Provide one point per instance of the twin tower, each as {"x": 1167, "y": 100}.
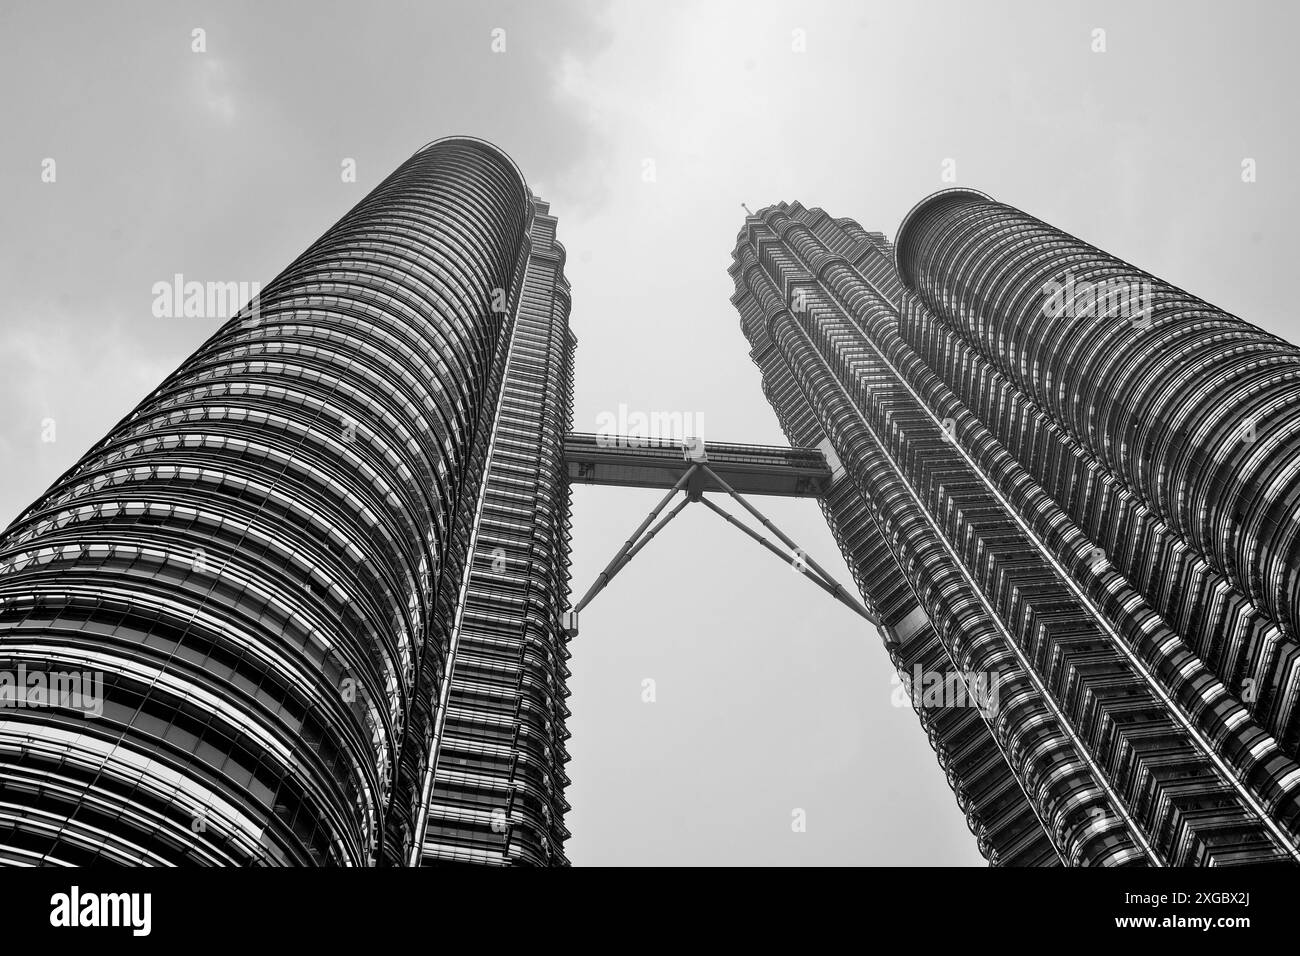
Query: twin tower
{"x": 308, "y": 603}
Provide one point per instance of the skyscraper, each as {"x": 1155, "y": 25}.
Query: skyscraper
{"x": 308, "y": 602}
{"x": 320, "y": 569}
{"x": 1070, "y": 492}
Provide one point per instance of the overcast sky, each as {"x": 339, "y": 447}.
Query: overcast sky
{"x": 224, "y": 165}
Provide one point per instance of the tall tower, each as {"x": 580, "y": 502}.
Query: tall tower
{"x": 1077, "y": 523}
{"x": 324, "y": 634}
{"x": 495, "y": 794}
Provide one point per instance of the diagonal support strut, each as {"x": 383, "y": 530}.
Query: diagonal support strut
{"x": 641, "y": 537}
{"x": 836, "y": 589}
{"x": 827, "y": 585}
{"x": 633, "y": 544}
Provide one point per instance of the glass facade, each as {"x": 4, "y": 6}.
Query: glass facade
{"x": 497, "y": 791}
{"x": 1174, "y": 431}
{"x": 318, "y": 578}
{"x": 268, "y": 559}
{"x": 1112, "y": 739}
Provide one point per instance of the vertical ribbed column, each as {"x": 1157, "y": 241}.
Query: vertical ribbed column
{"x": 1004, "y": 823}
{"x": 1126, "y": 720}
{"x": 497, "y": 789}
{"x": 1080, "y": 816}
{"x": 252, "y": 557}
{"x": 1194, "y": 411}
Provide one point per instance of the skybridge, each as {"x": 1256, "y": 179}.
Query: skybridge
{"x": 630, "y": 461}
{"x": 697, "y": 468}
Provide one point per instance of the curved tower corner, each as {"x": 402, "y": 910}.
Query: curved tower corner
{"x": 1178, "y": 424}
{"x": 258, "y": 572}
{"x": 1022, "y": 505}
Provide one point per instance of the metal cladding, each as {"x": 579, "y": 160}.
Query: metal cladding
{"x": 1118, "y": 731}
{"x": 1189, "y": 409}
{"x": 263, "y": 560}
{"x": 638, "y": 462}
{"x": 306, "y": 604}
{"x": 496, "y": 795}
{"x": 1170, "y": 428}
